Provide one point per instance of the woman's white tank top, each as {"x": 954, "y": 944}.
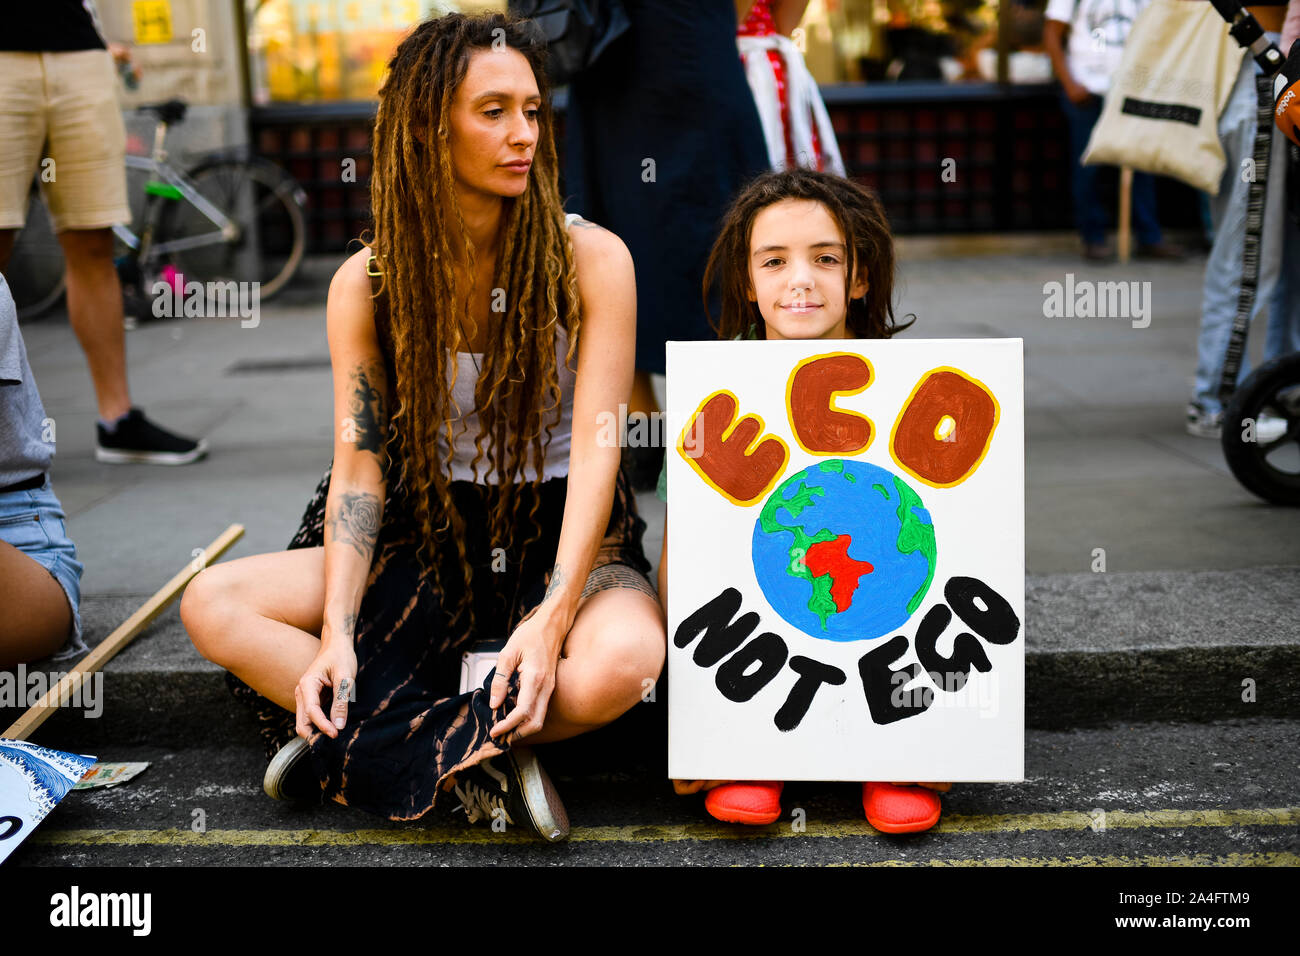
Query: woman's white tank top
{"x": 465, "y": 427}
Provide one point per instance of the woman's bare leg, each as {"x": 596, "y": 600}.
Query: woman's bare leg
{"x": 260, "y": 617}
{"x": 37, "y": 614}
{"x": 613, "y": 654}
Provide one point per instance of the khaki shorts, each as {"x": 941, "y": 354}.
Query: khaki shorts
{"x": 62, "y": 107}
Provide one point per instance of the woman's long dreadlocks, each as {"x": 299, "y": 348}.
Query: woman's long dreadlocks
{"x": 428, "y": 261}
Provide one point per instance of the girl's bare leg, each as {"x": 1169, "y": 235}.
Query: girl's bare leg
{"x": 260, "y": 617}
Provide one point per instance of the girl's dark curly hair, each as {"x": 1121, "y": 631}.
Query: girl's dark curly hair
{"x": 862, "y": 222}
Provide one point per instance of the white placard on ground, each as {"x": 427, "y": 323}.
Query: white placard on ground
{"x": 32, "y": 781}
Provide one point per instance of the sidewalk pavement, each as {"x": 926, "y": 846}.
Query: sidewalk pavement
{"x": 1201, "y": 578}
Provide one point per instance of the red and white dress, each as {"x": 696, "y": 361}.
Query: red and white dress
{"x": 795, "y": 122}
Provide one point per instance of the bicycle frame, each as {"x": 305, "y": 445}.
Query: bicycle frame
{"x": 169, "y": 183}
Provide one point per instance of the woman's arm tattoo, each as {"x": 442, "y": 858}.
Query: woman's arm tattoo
{"x": 354, "y": 520}
{"x": 557, "y": 578}
{"x": 349, "y": 625}
{"x": 367, "y": 407}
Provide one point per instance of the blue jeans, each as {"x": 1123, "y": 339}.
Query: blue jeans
{"x": 1279, "y": 251}
{"x": 32, "y": 521}
{"x": 1089, "y": 214}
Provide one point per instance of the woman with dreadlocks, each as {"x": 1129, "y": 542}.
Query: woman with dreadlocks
{"x": 470, "y": 494}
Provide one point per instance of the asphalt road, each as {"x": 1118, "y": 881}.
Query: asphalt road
{"x": 1148, "y": 794}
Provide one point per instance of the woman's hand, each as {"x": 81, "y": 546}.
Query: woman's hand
{"x": 334, "y": 667}
{"x": 941, "y": 787}
{"x": 533, "y": 651}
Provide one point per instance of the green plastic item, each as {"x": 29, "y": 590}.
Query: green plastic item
{"x": 166, "y": 190}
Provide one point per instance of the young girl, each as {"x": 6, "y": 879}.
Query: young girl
{"x": 805, "y": 255}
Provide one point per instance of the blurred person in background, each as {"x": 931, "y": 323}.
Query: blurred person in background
{"x": 61, "y": 118}
{"x": 1279, "y": 246}
{"x": 1095, "y": 31}
{"x": 795, "y": 122}
{"x": 662, "y": 131}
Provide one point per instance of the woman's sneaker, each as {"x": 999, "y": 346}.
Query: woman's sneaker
{"x": 138, "y": 440}
{"x": 290, "y": 775}
{"x": 515, "y": 790}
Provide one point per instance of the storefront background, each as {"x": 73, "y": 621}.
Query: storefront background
{"x": 912, "y": 86}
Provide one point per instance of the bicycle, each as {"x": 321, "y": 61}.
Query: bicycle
{"x": 232, "y": 217}
{"x": 229, "y": 217}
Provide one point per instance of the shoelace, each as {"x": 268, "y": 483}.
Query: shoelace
{"x": 480, "y": 804}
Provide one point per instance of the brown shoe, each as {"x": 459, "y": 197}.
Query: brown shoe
{"x": 1098, "y": 252}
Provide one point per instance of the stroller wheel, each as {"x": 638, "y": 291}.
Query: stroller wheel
{"x": 1268, "y": 466}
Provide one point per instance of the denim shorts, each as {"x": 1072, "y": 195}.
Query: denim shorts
{"x": 32, "y": 521}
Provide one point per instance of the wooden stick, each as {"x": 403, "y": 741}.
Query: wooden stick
{"x": 126, "y": 632}
{"x": 1125, "y": 211}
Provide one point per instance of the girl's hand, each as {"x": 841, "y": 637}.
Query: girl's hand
{"x": 683, "y": 787}
{"x": 532, "y": 651}
{"x": 941, "y": 787}
{"x": 334, "y": 667}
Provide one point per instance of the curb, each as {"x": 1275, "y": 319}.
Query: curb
{"x": 1103, "y": 648}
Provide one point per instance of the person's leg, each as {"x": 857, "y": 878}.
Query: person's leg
{"x": 87, "y": 194}
{"x": 1145, "y": 220}
{"x": 22, "y": 130}
{"x": 260, "y": 618}
{"x": 95, "y": 310}
{"x": 37, "y": 616}
{"x": 613, "y": 653}
{"x": 1090, "y": 218}
{"x": 1224, "y": 266}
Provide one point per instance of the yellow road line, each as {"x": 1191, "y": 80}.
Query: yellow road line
{"x": 1197, "y": 859}
{"x": 1002, "y": 823}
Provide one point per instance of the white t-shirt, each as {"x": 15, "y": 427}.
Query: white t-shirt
{"x": 1098, "y": 31}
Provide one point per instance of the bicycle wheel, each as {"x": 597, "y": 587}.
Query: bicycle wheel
{"x": 1268, "y": 469}
{"x": 264, "y": 203}
{"x": 36, "y": 269}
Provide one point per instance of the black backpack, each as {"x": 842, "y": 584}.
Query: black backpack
{"x": 576, "y": 31}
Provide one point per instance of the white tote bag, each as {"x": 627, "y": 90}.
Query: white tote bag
{"x": 1161, "y": 114}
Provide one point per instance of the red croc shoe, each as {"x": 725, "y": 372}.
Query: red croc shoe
{"x": 756, "y": 802}
{"x": 892, "y": 809}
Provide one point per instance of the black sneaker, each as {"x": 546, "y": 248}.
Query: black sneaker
{"x": 290, "y": 775}
{"x": 138, "y": 440}
{"x": 517, "y": 792}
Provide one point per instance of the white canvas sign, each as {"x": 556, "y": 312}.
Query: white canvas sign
{"x": 846, "y": 560}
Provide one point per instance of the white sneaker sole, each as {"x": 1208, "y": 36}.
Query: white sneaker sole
{"x": 114, "y": 456}
{"x": 279, "y": 767}
{"x": 540, "y": 797}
